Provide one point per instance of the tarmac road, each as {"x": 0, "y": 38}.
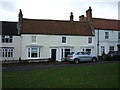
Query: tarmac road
{"x": 38, "y": 66}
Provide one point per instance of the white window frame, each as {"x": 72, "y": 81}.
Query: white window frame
{"x": 64, "y": 37}
{"x": 85, "y": 50}
{"x": 29, "y": 52}
{"x": 111, "y": 48}
{"x": 106, "y": 35}
{"x": 56, "y": 52}
{"x": 102, "y": 50}
{"x": 90, "y": 40}
{"x": 7, "y": 52}
{"x": 63, "y": 52}
{"x": 33, "y": 39}
{"x": 5, "y": 38}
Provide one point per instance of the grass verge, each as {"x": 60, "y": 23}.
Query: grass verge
{"x": 93, "y": 76}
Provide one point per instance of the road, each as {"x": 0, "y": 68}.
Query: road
{"x": 39, "y": 66}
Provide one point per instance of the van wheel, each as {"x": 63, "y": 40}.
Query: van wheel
{"x": 94, "y": 60}
{"x": 76, "y": 61}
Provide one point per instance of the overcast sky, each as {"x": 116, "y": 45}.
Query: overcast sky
{"x": 57, "y": 9}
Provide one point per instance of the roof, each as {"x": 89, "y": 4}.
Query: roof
{"x": 55, "y": 27}
{"x": 9, "y": 28}
{"x": 106, "y": 24}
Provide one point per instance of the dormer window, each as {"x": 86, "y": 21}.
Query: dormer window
{"x": 7, "y": 39}
{"x": 63, "y": 39}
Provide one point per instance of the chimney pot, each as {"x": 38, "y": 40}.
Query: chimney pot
{"x": 20, "y": 15}
{"x": 71, "y": 17}
{"x": 81, "y": 18}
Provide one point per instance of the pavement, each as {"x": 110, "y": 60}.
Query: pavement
{"x": 40, "y": 66}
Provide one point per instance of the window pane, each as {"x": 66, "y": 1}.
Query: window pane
{"x": 9, "y": 52}
{"x": 89, "y": 40}
{"x": 33, "y": 52}
{"x": 102, "y": 50}
{"x": 6, "y": 53}
{"x": 12, "y": 54}
{"x": 11, "y": 37}
{"x": 7, "y": 39}
{"x": 63, "y": 39}
{"x": 33, "y": 39}
{"x": 106, "y": 35}
{"x": 28, "y": 52}
{"x": 2, "y": 39}
{"x": 39, "y": 52}
{"x": 118, "y": 35}
{"x": 3, "y": 53}
{"x": 111, "y": 48}
{"x": 67, "y": 51}
{"x": 62, "y": 53}
{"x": 88, "y": 50}
{"x": 10, "y": 40}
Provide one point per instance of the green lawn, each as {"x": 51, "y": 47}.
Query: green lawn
{"x": 92, "y": 76}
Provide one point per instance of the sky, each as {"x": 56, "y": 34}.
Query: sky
{"x": 57, "y": 9}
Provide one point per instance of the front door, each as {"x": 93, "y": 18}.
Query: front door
{"x": 53, "y": 54}
{"x": 118, "y": 47}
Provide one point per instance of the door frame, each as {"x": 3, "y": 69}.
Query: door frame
{"x": 56, "y": 53}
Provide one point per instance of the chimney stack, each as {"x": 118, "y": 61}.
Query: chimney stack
{"x": 20, "y": 16}
{"x": 19, "y": 25}
{"x": 89, "y": 14}
{"x": 82, "y": 18}
{"x": 71, "y": 17}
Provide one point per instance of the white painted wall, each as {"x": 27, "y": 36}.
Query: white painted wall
{"x": 52, "y": 41}
{"x": 15, "y": 44}
{"x": 112, "y": 41}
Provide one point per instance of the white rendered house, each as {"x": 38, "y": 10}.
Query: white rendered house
{"x": 9, "y": 41}
{"x": 107, "y": 33}
{"x": 54, "y": 39}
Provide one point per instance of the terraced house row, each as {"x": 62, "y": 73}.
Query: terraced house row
{"x": 41, "y": 38}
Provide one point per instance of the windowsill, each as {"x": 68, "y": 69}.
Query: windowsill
{"x": 64, "y": 43}
{"x": 34, "y": 58}
{"x": 90, "y": 43}
{"x": 7, "y": 42}
{"x": 34, "y": 43}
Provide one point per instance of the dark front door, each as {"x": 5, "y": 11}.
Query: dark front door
{"x": 53, "y": 54}
{"x": 118, "y": 47}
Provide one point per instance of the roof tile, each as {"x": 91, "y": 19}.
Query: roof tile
{"x": 55, "y": 27}
{"x": 106, "y": 24}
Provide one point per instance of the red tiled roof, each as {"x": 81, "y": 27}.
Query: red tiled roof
{"x": 55, "y": 27}
{"x": 106, "y": 24}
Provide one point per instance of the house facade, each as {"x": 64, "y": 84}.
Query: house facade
{"x": 9, "y": 41}
{"x": 57, "y": 38}
{"x": 107, "y": 33}
{"x": 54, "y": 39}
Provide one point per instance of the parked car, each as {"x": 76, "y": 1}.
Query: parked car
{"x": 80, "y": 56}
{"x": 113, "y": 55}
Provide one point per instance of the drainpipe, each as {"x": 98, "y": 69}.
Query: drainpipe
{"x": 98, "y": 43}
